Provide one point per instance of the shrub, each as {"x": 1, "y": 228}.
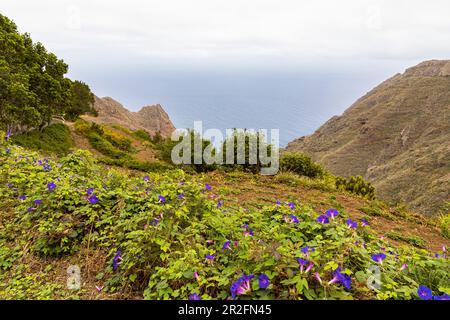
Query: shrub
{"x": 444, "y": 223}
{"x": 300, "y": 164}
{"x": 356, "y": 185}
{"x": 170, "y": 227}
{"x": 54, "y": 139}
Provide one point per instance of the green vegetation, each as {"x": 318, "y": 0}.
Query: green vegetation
{"x": 168, "y": 236}
{"x": 54, "y": 139}
{"x": 413, "y": 240}
{"x": 444, "y": 223}
{"x": 32, "y": 83}
{"x": 301, "y": 164}
{"x": 356, "y": 185}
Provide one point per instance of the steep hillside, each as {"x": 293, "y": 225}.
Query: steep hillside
{"x": 175, "y": 235}
{"x": 150, "y": 118}
{"x": 397, "y": 136}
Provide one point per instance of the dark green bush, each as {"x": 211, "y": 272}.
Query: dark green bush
{"x": 301, "y": 164}
{"x": 356, "y": 185}
{"x": 54, "y": 139}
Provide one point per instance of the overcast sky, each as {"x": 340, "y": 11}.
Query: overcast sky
{"x": 234, "y": 32}
{"x": 103, "y": 39}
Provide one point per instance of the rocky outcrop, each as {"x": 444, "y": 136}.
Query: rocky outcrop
{"x": 397, "y": 136}
{"x": 150, "y": 118}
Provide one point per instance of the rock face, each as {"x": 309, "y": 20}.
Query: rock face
{"x": 150, "y": 118}
{"x": 396, "y": 136}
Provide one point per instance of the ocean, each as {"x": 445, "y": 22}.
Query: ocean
{"x": 296, "y": 103}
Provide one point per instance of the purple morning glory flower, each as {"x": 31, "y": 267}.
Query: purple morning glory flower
{"x": 93, "y": 199}
{"x": 226, "y": 245}
{"x": 302, "y": 262}
{"x": 181, "y": 196}
{"x": 22, "y": 198}
{"x": 194, "y": 296}
{"x": 210, "y": 257}
{"x": 323, "y": 219}
{"x": 263, "y": 281}
{"x": 424, "y": 293}
{"x": 351, "y": 224}
{"x": 208, "y": 187}
{"x": 403, "y": 267}
{"x": 379, "y": 257}
{"x": 310, "y": 266}
{"x": 89, "y": 191}
{"x": 117, "y": 260}
{"x": 341, "y": 278}
{"x": 37, "y": 202}
{"x": 30, "y": 209}
{"x": 146, "y": 178}
{"x": 161, "y": 199}
{"x": 51, "y": 186}
{"x": 442, "y": 297}
{"x": 364, "y": 223}
{"x": 291, "y": 205}
{"x": 248, "y": 232}
{"x": 317, "y": 276}
{"x": 8, "y": 150}
{"x": 220, "y": 203}
{"x": 293, "y": 219}
{"x": 241, "y": 286}
{"x": 307, "y": 249}
{"x": 332, "y": 213}
{"x": 278, "y": 202}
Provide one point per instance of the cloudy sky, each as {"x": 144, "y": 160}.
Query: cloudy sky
{"x": 117, "y": 45}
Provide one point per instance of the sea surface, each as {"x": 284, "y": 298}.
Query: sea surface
{"x": 296, "y": 103}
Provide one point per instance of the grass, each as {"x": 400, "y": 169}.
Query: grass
{"x": 412, "y": 240}
{"x": 54, "y": 139}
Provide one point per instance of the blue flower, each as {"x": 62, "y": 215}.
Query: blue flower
{"x": 117, "y": 260}
{"x": 210, "y": 257}
{"x": 263, "y": 281}
{"x": 194, "y": 296}
{"x": 351, "y": 224}
{"x": 93, "y": 199}
{"x": 424, "y": 293}
{"x": 89, "y": 191}
{"x": 241, "y": 286}
{"x": 332, "y": 213}
{"x": 226, "y": 245}
{"x": 364, "y": 223}
{"x": 8, "y": 150}
{"x": 22, "y": 198}
{"x": 302, "y": 262}
{"x": 307, "y": 249}
{"x": 341, "y": 278}
{"x": 51, "y": 186}
{"x": 291, "y": 205}
{"x": 146, "y": 178}
{"x": 293, "y": 219}
{"x": 442, "y": 297}
{"x": 379, "y": 257}
{"x": 323, "y": 219}
{"x": 181, "y": 196}
{"x": 161, "y": 199}
{"x": 30, "y": 209}
{"x": 208, "y": 187}
{"x": 37, "y": 202}
{"x": 220, "y": 203}
{"x": 278, "y": 203}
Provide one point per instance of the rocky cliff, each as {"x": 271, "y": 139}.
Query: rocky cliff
{"x": 397, "y": 136}
{"x": 150, "y": 118}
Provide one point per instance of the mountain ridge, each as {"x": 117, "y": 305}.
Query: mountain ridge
{"x": 397, "y": 136}
{"x": 152, "y": 118}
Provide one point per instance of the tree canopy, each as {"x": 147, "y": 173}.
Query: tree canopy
{"x": 33, "y": 86}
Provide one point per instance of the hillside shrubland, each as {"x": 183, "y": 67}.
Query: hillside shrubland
{"x": 173, "y": 235}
